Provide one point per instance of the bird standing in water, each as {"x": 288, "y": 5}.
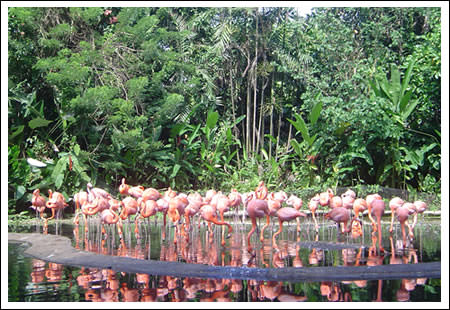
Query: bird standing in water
{"x": 285, "y": 214}
{"x": 340, "y": 215}
{"x": 375, "y": 207}
{"x": 38, "y": 203}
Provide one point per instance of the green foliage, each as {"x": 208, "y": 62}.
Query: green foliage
{"x": 401, "y": 160}
{"x": 307, "y": 149}
{"x": 18, "y": 219}
{"x": 159, "y": 97}
{"x": 395, "y": 91}
{"x": 18, "y": 172}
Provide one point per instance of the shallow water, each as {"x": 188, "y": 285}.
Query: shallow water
{"x": 35, "y": 280}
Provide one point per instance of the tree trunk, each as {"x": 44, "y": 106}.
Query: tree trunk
{"x": 271, "y": 125}
{"x": 289, "y": 137}
{"x": 255, "y": 84}
{"x": 261, "y": 118}
{"x": 279, "y": 133}
{"x": 234, "y": 115}
{"x": 249, "y": 95}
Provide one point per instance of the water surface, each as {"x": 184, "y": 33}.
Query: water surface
{"x": 36, "y": 280}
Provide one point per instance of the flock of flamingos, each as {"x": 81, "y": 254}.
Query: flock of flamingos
{"x": 143, "y": 203}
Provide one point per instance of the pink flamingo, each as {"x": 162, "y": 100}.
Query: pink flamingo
{"x": 110, "y": 217}
{"x": 80, "y": 199}
{"x": 325, "y": 197}
{"x": 335, "y": 202}
{"x": 359, "y": 206}
{"x": 402, "y": 210}
{"x": 297, "y": 203}
{"x": 38, "y": 203}
{"x": 56, "y": 202}
{"x": 176, "y": 211}
{"x": 420, "y": 209}
{"x": 135, "y": 191}
{"x": 348, "y": 198}
{"x": 208, "y": 213}
{"x": 285, "y": 214}
{"x": 235, "y": 201}
{"x": 97, "y": 192}
{"x": 147, "y": 208}
{"x": 375, "y": 206}
{"x": 129, "y": 207}
{"x": 195, "y": 203}
{"x": 313, "y": 205}
{"x": 151, "y": 194}
{"x": 340, "y": 215}
{"x": 90, "y": 208}
{"x": 223, "y": 205}
{"x": 394, "y": 204}
{"x": 256, "y": 208}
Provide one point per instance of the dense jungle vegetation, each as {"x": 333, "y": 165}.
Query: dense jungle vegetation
{"x": 199, "y": 98}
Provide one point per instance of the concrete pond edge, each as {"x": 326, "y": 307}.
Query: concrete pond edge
{"x": 59, "y": 249}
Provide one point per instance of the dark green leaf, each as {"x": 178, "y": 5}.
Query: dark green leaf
{"x": 212, "y": 119}
{"x": 16, "y": 132}
{"x": 175, "y": 170}
{"x": 407, "y": 76}
{"x": 315, "y": 113}
{"x": 20, "y": 191}
{"x": 409, "y": 109}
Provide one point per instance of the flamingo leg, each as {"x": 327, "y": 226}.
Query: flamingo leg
{"x": 119, "y": 229}
{"x": 42, "y": 215}
{"x": 403, "y": 234}
{"x": 222, "y": 228}
{"x": 250, "y": 233}
{"x": 316, "y": 225}
{"x": 104, "y": 231}
{"x": 187, "y": 228}
{"x": 223, "y": 236}
{"x": 230, "y": 229}
{"x": 392, "y": 221}
{"x": 415, "y": 221}
{"x": 136, "y": 226}
{"x": 198, "y": 224}
{"x": 76, "y": 219}
{"x": 175, "y": 240}
{"x": 53, "y": 215}
{"x": 379, "y": 233}
{"x": 374, "y": 225}
{"x": 211, "y": 234}
{"x": 164, "y": 227}
{"x": 280, "y": 229}
{"x": 261, "y": 237}
{"x": 410, "y": 230}
{"x": 345, "y": 228}
{"x": 391, "y": 240}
